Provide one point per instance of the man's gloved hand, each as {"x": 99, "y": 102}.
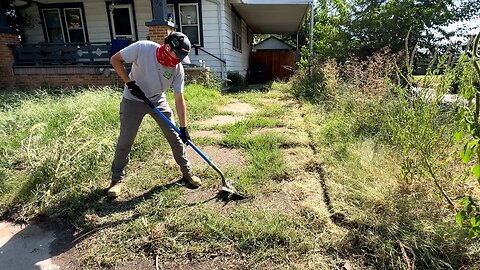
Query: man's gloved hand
{"x": 135, "y": 90}
{"x": 184, "y": 136}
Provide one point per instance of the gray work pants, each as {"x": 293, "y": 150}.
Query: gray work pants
{"x": 131, "y": 116}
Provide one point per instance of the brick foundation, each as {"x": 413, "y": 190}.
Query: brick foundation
{"x": 158, "y": 33}
{"x": 6, "y": 59}
{"x": 66, "y": 81}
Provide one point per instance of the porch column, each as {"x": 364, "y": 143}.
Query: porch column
{"x": 159, "y": 27}
{"x": 7, "y": 37}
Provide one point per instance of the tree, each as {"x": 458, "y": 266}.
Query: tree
{"x": 16, "y": 17}
{"x": 360, "y": 28}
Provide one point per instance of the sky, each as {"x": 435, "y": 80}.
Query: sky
{"x": 472, "y": 28}
{"x": 473, "y": 24}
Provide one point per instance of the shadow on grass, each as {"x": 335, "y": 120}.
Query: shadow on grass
{"x": 96, "y": 201}
{"x": 263, "y": 87}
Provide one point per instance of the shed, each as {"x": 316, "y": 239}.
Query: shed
{"x": 272, "y": 44}
{"x": 272, "y": 59}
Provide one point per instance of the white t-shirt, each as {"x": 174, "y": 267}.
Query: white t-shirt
{"x": 152, "y": 77}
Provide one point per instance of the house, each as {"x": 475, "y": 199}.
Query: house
{"x": 70, "y": 41}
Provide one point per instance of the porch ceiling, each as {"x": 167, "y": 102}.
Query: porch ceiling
{"x": 272, "y": 16}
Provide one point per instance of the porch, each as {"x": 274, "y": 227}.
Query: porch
{"x": 43, "y": 63}
{"x": 73, "y": 64}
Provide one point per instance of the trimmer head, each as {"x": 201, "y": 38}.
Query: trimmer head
{"x": 229, "y": 192}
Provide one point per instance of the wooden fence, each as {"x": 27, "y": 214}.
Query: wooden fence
{"x": 269, "y": 65}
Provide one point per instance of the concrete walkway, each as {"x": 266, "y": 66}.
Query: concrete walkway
{"x": 25, "y": 247}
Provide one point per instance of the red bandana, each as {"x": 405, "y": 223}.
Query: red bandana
{"x": 165, "y": 59}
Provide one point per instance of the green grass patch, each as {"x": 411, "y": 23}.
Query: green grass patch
{"x": 57, "y": 144}
{"x": 348, "y": 205}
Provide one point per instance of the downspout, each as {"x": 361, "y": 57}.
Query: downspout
{"x": 220, "y": 37}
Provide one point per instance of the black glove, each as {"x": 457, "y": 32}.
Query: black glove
{"x": 135, "y": 90}
{"x": 184, "y": 136}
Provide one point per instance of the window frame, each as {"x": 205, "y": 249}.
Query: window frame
{"x": 236, "y": 33}
{"x": 133, "y": 34}
{"x": 44, "y": 24}
{"x": 61, "y": 11}
{"x": 66, "y": 22}
{"x": 182, "y": 24}
{"x": 177, "y": 18}
{"x": 173, "y": 13}
{"x": 133, "y": 20}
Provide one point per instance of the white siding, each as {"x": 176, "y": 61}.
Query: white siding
{"x": 217, "y": 31}
{"x": 143, "y": 13}
{"x": 236, "y": 61}
{"x": 96, "y": 20}
{"x": 211, "y": 38}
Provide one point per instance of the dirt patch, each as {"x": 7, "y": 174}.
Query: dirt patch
{"x": 211, "y": 134}
{"x": 140, "y": 263}
{"x": 219, "y": 120}
{"x": 238, "y": 108}
{"x": 221, "y": 156}
{"x": 283, "y": 201}
{"x": 208, "y": 262}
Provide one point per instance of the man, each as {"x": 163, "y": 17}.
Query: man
{"x": 155, "y": 68}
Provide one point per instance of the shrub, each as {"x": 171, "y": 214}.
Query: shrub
{"x": 236, "y": 79}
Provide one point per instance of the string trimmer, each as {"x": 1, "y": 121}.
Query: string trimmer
{"x": 227, "y": 191}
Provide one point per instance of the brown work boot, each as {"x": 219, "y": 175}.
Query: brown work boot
{"x": 115, "y": 189}
{"x": 193, "y": 180}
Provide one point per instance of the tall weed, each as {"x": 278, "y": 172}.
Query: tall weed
{"x": 309, "y": 84}
{"x": 365, "y": 103}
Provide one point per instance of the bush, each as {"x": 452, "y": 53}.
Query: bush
{"x": 204, "y": 77}
{"x": 236, "y": 79}
{"x": 312, "y": 87}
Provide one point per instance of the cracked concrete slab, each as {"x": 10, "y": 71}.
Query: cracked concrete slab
{"x": 25, "y": 247}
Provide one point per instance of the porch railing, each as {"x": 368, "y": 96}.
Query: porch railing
{"x": 47, "y": 54}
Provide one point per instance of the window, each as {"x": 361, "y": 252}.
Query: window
{"x": 237, "y": 32}
{"x": 185, "y": 14}
{"x": 122, "y": 22}
{"x": 63, "y": 23}
{"x": 171, "y": 13}
{"x": 189, "y": 22}
{"x": 53, "y": 25}
{"x": 73, "y": 19}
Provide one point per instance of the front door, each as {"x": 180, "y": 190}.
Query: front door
{"x": 122, "y": 21}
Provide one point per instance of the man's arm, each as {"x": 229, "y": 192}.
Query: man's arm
{"x": 117, "y": 62}
{"x": 181, "y": 108}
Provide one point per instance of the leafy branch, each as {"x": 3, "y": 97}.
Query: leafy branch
{"x": 471, "y": 148}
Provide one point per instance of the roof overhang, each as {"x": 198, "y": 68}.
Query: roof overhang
{"x": 272, "y": 16}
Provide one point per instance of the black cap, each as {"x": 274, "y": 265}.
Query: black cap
{"x": 180, "y": 44}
